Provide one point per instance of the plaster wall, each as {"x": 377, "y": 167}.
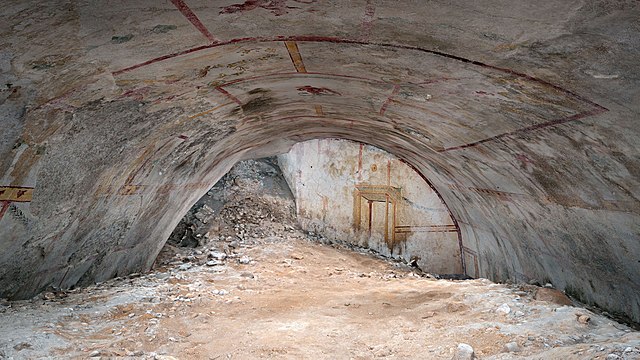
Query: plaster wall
{"x": 117, "y": 116}
{"x": 339, "y": 187}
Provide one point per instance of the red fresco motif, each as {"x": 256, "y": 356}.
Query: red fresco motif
{"x": 276, "y": 7}
{"x": 312, "y": 90}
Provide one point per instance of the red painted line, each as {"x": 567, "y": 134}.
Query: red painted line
{"x": 582, "y": 115}
{"x": 453, "y": 218}
{"x": 5, "y": 206}
{"x": 367, "y": 20}
{"x": 388, "y": 172}
{"x": 288, "y": 75}
{"x": 360, "y": 162}
{"x": 186, "y": 11}
{"x": 137, "y": 94}
{"x": 396, "y": 89}
{"x": 328, "y": 119}
{"x": 161, "y": 58}
{"x": 336, "y": 40}
{"x": 439, "y": 80}
{"x": 326, "y": 39}
{"x": 427, "y": 228}
{"x": 229, "y": 95}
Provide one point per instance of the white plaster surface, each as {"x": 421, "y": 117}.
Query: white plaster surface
{"x": 324, "y": 175}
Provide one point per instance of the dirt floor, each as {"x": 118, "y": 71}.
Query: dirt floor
{"x": 238, "y": 280}
{"x": 293, "y": 298}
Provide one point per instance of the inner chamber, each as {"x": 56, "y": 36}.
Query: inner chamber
{"x": 338, "y": 191}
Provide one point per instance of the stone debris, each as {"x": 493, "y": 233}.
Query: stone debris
{"x": 511, "y": 347}
{"x": 503, "y": 309}
{"x": 184, "y": 267}
{"x": 464, "y": 352}
{"x": 251, "y": 201}
{"x": 203, "y": 214}
{"x": 217, "y": 255}
{"x": 552, "y": 295}
{"x": 583, "y": 319}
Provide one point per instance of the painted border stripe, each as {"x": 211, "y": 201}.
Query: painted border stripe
{"x": 229, "y": 95}
{"x": 16, "y": 194}
{"x": 191, "y": 16}
{"x": 296, "y": 58}
{"x": 383, "y": 108}
{"x": 210, "y": 110}
{"x": 367, "y": 20}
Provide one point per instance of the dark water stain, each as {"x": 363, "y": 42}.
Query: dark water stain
{"x": 120, "y": 39}
{"x": 256, "y": 105}
{"x": 258, "y": 91}
{"x": 163, "y": 29}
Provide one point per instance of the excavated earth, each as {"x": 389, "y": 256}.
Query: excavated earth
{"x": 289, "y": 297}
{"x": 255, "y": 286}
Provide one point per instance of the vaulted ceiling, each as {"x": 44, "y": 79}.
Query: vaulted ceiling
{"x": 117, "y": 116}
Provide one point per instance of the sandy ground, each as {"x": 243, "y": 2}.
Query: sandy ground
{"x": 291, "y": 298}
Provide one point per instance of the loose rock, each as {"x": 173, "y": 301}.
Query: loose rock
{"x": 553, "y": 296}
{"x": 464, "y": 352}
{"x": 503, "y": 309}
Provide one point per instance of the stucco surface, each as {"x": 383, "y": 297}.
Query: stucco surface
{"x": 361, "y": 195}
{"x": 117, "y": 116}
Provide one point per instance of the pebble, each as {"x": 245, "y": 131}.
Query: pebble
{"x": 511, "y": 347}
{"x": 464, "y": 352}
{"x": 217, "y": 255}
{"x": 584, "y": 319}
{"x": 503, "y": 309}
{"x": 165, "y": 357}
{"x": 244, "y": 260}
{"x": 553, "y": 296}
{"x": 184, "y": 267}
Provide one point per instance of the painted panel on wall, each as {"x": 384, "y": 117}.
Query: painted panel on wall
{"x": 362, "y": 195}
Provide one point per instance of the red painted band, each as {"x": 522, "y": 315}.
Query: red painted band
{"x": 186, "y": 11}
{"x": 582, "y": 115}
{"x": 5, "y": 206}
{"x": 328, "y": 39}
{"x": 229, "y": 95}
{"x": 396, "y": 89}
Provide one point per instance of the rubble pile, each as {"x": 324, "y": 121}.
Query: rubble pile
{"x": 251, "y": 201}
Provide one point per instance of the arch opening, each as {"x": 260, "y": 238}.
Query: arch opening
{"x": 351, "y": 194}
